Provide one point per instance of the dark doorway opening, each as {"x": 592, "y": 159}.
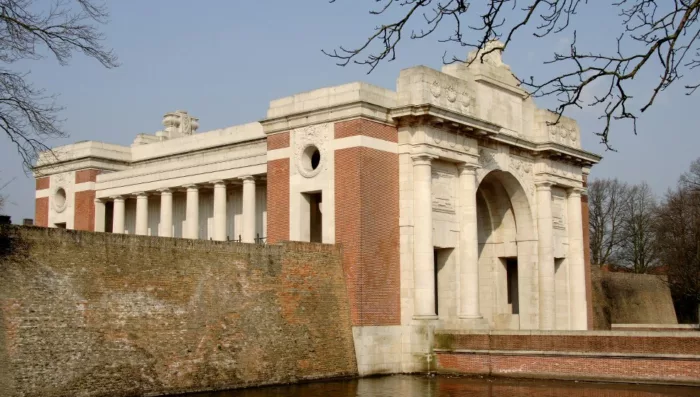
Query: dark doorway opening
{"x": 315, "y": 217}
{"x": 512, "y": 282}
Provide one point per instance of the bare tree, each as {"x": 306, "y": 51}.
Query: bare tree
{"x": 678, "y": 236}
{"x": 691, "y": 179}
{"x": 607, "y": 201}
{"x": 638, "y": 248}
{"x": 29, "y": 116}
{"x": 652, "y": 35}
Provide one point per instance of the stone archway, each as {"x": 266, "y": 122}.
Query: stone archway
{"x": 507, "y": 252}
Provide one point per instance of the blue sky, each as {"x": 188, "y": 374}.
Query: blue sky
{"x": 223, "y": 61}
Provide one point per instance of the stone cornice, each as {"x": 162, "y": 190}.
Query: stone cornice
{"x": 327, "y": 114}
{"x": 79, "y": 163}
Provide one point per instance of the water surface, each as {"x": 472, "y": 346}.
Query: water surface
{"x": 445, "y": 386}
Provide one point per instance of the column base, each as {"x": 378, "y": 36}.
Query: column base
{"x": 425, "y": 317}
{"x": 473, "y": 322}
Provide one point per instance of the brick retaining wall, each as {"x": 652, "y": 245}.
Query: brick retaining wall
{"x": 99, "y": 314}
{"x": 654, "y": 357}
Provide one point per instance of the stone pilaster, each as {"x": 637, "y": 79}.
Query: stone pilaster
{"x": 577, "y": 269}
{"x": 99, "y": 215}
{"x": 468, "y": 244}
{"x": 219, "y": 210}
{"x": 166, "y": 213}
{"x": 141, "y": 214}
{"x": 423, "y": 255}
{"x": 546, "y": 256}
{"x": 248, "y": 235}
{"x": 119, "y": 214}
{"x": 192, "y": 212}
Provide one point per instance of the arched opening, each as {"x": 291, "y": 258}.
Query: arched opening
{"x": 507, "y": 244}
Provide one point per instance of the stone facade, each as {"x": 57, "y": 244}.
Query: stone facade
{"x": 98, "y": 314}
{"x": 458, "y": 203}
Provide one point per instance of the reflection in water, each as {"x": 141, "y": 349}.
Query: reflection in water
{"x": 443, "y": 386}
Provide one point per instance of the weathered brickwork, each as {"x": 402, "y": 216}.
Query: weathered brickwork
{"x": 41, "y": 212}
{"x": 278, "y": 200}
{"x": 367, "y": 226}
{"x": 43, "y": 183}
{"x": 83, "y": 176}
{"x": 587, "y": 255}
{"x": 366, "y": 127}
{"x": 97, "y": 314}
{"x": 84, "y": 218}
{"x": 567, "y": 367}
{"x": 631, "y": 357}
{"x": 611, "y": 343}
{"x": 278, "y": 141}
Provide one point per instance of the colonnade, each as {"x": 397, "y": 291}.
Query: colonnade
{"x": 191, "y": 228}
{"x": 423, "y": 254}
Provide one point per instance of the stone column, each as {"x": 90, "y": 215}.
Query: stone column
{"x": 118, "y": 215}
{"x": 423, "y": 260}
{"x": 166, "y": 213}
{"x": 192, "y": 212}
{"x": 546, "y": 256}
{"x": 141, "y": 214}
{"x": 248, "y": 235}
{"x": 219, "y": 211}
{"x": 577, "y": 269}
{"x": 468, "y": 244}
{"x": 99, "y": 215}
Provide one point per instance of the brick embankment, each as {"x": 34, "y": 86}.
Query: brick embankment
{"x": 649, "y": 357}
{"x": 98, "y": 314}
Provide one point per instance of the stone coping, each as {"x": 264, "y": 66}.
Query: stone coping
{"x": 660, "y": 326}
{"x": 658, "y": 334}
{"x": 664, "y": 356}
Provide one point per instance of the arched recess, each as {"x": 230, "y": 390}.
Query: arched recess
{"x": 507, "y": 252}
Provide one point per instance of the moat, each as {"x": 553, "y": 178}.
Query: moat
{"x": 444, "y": 386}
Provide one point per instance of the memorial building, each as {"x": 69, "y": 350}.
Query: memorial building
{"x": 457, "y": 202}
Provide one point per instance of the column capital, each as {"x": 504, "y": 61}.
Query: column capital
{"x": 165, "y": 190}
{"x": 423, "y": 158}
{"x": 218, "y": 182}
{"x": 99, "y": 200}
{"x": 467, "y": 168}
{"x": 247, "y": 178}
{"x": 191, "y": 186}
{"x": 141, "y": 194}
{"x": 117, "y": 198}
{"x": 544, "y": 185}
{"x": 575, "y": 191}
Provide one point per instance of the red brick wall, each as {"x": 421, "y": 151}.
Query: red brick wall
{"x": 367, "y": 128}
{"x": 278, "y": 141}
{"x": 367, "y": 227}
{"x": 84, "y": 218}
{"x": 568, "y": 367}
{"x": 571, "y": 356}
{"x": 572, "y": 343}
{"x": 41, "y": 212}
{"x": 86, "y": 176}
{"x": 587, "y": 254}
{"x": 277, "y": 200}
{"x": 42, "y": 183}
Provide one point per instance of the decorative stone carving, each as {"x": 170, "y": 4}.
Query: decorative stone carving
{"x": 179, "y": 123}
{"x": 563, "y": 134}
{"x": 442, "y": 189}
{"x": 486, "y": 158}
{"x": 558, "y": 220}
{"x": 312, "y": 135}
{"x": 435, "y": 89}
{"x": 451, "y": 94}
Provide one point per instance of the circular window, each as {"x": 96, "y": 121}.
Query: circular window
{"x": 312, "y": 158}
{"x": 59, "y": 199}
